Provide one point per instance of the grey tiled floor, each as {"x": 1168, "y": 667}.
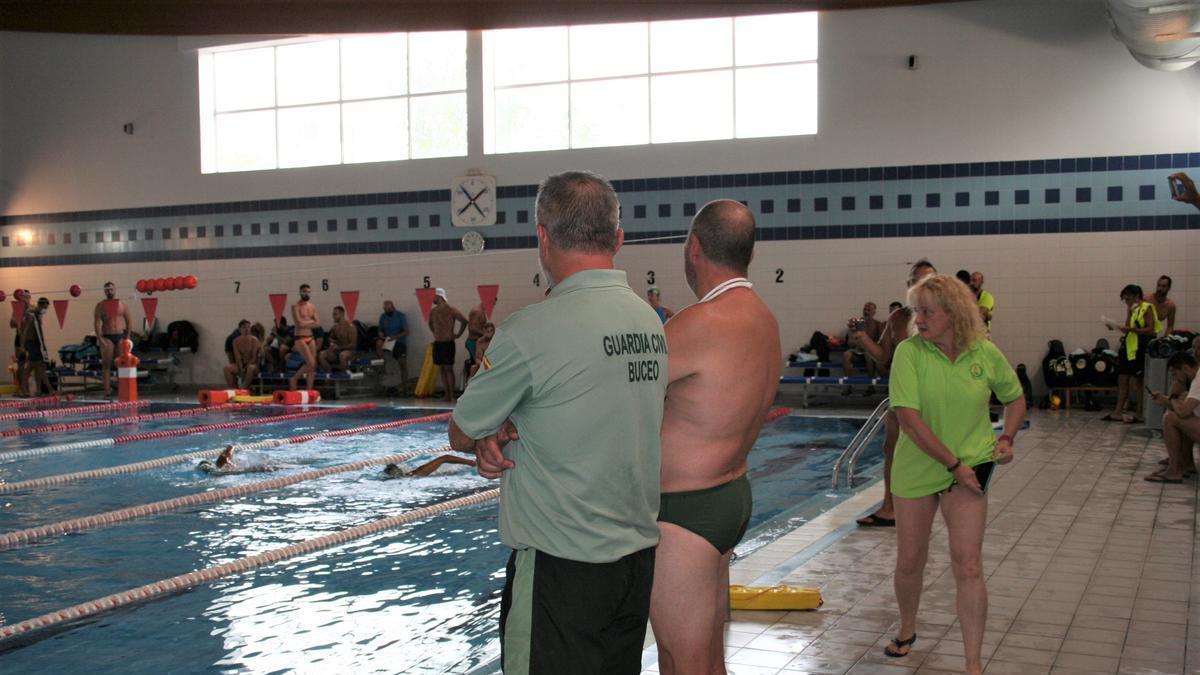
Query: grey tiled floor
{"x": 1090, "y": 570}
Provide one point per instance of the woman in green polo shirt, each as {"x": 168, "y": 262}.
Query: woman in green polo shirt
{"x": 941, "y": 381}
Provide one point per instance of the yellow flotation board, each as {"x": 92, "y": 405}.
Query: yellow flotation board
{"x": 773, "y": 597}
{"x": 7, "y": 389}
{"x": 428, "y": 379}
{"x": 253, "y": 399}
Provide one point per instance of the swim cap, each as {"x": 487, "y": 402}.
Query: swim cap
{"x": 394, "y": 471}
{"x": 441, "y": 292}
{"x": 206, "y": 465}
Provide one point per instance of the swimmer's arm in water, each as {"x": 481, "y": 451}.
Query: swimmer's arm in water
{"x": 431, "y": 466}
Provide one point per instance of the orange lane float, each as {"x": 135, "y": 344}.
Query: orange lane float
{"x": 215, "y": 396}
{"x": 287, "y": 397}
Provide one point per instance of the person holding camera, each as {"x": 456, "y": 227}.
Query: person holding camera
{"x": 941, "y": 382}
{"x": 1183, "y": 189}
{"x": 871, "y": 327}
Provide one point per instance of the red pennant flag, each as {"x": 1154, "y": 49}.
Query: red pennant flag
{"x": 487, "y": 295}
{"x": 112, "y": 308}
{"x": 60, "y": 308}
{"x": 19, "y": 308}
{"x": 278, "y": 302}
{"x": 425, "y": 299}
{"x": 350, "y": 302}
{"x": 150, "y": 307}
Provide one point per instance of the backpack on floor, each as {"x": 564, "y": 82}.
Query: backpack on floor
{"x": 1056, "y": 367}
{"x": 182, "y": 334}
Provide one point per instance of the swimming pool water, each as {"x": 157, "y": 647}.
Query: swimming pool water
{"x": 423, "y": 598}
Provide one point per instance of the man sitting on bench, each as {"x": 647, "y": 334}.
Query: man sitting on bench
{"x": 342, "y": 339}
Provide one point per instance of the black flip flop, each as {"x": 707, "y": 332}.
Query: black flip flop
{"x": 1110, "y": 418}
{"x": 874, "y": 520}
{"x": 1159, "y": 478}
{"x": 897, "y": 643}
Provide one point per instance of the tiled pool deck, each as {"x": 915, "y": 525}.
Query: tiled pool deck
{"x": 1089, "y": 570}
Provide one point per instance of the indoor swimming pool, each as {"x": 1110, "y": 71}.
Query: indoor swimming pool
{"x": 421, "y": 598}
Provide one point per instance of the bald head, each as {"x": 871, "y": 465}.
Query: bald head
{"x": 725, "y": 230}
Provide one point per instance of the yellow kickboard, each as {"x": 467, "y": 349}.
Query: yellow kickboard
{"x": 6, "y": 389}
{"x": 253, "y": 399}
{"x": 773, "y": 597}
{"x": 428, "y": 379}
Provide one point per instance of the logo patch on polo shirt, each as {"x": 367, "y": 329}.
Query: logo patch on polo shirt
{"x": 485, "y": 364}
{"x": 976, "y": 371}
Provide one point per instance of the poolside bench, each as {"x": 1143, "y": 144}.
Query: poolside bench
{"x": 830, "y": 381}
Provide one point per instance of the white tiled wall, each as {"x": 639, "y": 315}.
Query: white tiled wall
{"x": 1046, "y": 286}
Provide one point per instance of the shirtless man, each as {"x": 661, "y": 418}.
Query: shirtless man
{"x": 342, "y": 339}
{"x": 1162, "y": 304}
{"x": 872, "y": 327}
{"x": 895, "y": 331}
{"x": 723, "y": 371}
{"x": 443, "y": 319}
{"x": 304, "y": 318}
{"x": 111, "y": 328}
{"x": 247, "y": 355}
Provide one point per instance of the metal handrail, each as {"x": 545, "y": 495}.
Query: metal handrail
{"x": 862, "y": 446}
{"x": 868, "y": 430}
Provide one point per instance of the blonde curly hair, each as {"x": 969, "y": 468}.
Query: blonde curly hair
{"x": 955, "y": 299}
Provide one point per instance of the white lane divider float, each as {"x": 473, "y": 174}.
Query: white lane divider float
{"x": 147, "y": 465}
{"x": 32, "y": 534}
{"x": 182, "y": 582}
{"x": 13, "y": 455}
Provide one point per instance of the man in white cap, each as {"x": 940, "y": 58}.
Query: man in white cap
{"x": 443, "y": 321}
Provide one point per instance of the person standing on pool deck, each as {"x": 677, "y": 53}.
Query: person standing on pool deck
{"x": 444, "y": 320}
{"x": 305, "y": 319}
{"x": 941, "y": 382}
{"x": 894, "y": 332}
{"x": 582, "y": 375}
{"x": 110, "y": 330}
{"x": 723, "y": 374}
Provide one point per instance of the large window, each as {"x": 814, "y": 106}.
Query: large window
{"x": 343, "y": 100}
{"x": 656, "y": 82}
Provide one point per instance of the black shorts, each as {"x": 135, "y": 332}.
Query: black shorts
{"x": 33, "y": 352}
{"x": 443, "y": 353}
{"x": 563, "y": 616}
{"x": 1137, "y": 365}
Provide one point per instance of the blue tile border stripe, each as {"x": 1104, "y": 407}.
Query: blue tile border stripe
{"x": 787, "y": 233}
{"x": 1051, "y": 195}
{"x": 1168, "y": 161}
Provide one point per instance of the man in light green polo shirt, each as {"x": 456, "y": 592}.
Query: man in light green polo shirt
{"x": 566, "y": 410}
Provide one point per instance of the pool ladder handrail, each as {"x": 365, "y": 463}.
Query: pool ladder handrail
{"x": 858, "y": 443}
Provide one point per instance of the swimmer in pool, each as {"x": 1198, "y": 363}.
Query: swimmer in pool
{"x": 226, "y": 464}
{"x": 397, "y": 471}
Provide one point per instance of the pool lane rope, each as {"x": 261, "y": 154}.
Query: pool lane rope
{"x": 204, "y": 454}
{"x": 175, "y": 584}
{"x": 73, "y": 410}
{"x": 18, "y": 537}
{"x": 30, "y": 402}
{"x": 169, "y": 433}
{"x": 182, "y": 582}
{"x": 112, "y": 421}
